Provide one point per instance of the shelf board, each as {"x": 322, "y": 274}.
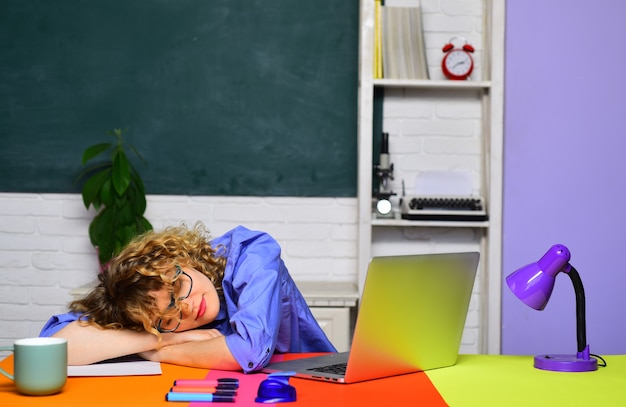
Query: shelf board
{"x": 429, "y": 84}
{"x": 429, "y": 223}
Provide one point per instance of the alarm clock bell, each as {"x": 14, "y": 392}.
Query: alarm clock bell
{"x": 457, "y": 63}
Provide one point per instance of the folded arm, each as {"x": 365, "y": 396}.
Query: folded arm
{"x": 199, "y": 348}
{"x": 210, "y": 353}
{"x": 90, "y": 344}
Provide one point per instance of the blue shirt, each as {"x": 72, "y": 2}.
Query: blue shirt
{"x": 262, "y": 312}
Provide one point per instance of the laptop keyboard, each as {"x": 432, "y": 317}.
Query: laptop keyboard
{"x": 339, "y": 368}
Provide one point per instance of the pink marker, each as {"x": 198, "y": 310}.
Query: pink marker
{"x": 219, "y": 383}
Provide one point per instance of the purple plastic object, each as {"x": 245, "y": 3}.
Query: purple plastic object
{"x": 276, "y": 389}
{"x": 581, "y": 362}
{"x": 533, "y": 284}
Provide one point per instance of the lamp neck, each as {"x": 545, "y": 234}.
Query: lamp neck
{"x": 579, "y": 291}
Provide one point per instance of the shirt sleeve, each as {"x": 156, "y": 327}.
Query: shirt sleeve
{"x": 56, "y": 322}
{"x": 253, "y": 298}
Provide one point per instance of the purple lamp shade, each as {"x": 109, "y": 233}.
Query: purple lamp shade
{"x": 533, "y": 283}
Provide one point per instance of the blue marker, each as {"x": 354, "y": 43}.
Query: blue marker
{"x": 190, "y": 397}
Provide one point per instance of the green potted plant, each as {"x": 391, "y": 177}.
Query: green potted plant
{"x": 115, "y": 190}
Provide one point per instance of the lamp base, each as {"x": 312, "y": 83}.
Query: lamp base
{"x": 566, "y": 363}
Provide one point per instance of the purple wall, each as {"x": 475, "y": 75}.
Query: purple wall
{"x": 565, "y": 168}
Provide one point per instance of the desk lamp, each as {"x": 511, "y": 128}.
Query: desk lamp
{"x": 533, "y": 285}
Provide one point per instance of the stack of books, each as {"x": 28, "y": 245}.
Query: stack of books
{"x": 399, "y": 51}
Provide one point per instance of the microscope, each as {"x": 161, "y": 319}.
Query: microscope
{"x": 384, "y": 174}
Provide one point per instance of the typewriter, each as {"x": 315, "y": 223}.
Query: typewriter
{"x": 450, "y": 207}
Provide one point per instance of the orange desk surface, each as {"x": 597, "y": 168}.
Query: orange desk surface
{"x": 129, "y": 391}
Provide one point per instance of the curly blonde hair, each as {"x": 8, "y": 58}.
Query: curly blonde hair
{"x": 122, "y": 298}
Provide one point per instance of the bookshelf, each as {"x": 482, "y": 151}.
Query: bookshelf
{"x": 432, "y": 84}
{"x": 484, "y": 95}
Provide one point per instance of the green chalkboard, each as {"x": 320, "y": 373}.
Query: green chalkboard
{"x": 221, "y": 97}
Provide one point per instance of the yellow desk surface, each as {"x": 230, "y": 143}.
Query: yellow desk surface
{"x": 499, "y": 380}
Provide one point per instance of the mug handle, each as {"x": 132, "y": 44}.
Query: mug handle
{"x": 10, "y": 349}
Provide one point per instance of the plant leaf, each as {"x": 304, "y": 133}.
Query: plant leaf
{"x": 92, "y": 187}
{"x": 92, "y": 170}
{"x": 138, "y": 182}
{"x": 95, "y": 151}
{"x": 145, "y": 225}
{"x": 121, "y": 172}
{"x": 107, "y": 196}
{"x": 101, "y": 232}
{"x": 125, "y": 213}
{"x": 138, "y": 199}
{"x": 134, "y": 150}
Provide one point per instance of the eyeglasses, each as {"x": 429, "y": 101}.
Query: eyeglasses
{"x": 170, "y": 325}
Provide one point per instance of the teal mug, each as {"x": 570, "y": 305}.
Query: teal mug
{"x": 39, "y": 365}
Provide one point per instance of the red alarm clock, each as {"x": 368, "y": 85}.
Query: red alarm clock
{"x": 458, "y": 63}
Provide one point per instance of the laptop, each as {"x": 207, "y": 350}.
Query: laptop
{"x": 411, "y": 318}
